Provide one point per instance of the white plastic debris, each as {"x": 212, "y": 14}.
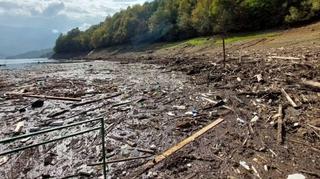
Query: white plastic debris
{"x": 254, "y": 119}
{"x": 296, "y": 176}
{"x": 153, "y": 147}
{"x": 125, "y": 150}
{"x": 4, "y": 160}
{"x": 171, "y": 114}
{"x": 209, "y": 100}
{"x": 244, "y": 165}
{"x": 238, "y": 79}
{"x": 266, "y": 168}
{"x": 179, "y": 107}
{"x": 152, "y": 174}
{"x": 25, "y": 139}
{"x": 19, "y": 127}
{"x": 256, "y": 171}
{"x": 194, "y": 112}
{"x": 259, "y": 77}
{"x": 90, "y": 90}
{"x": 189, "y": 165}
{"x": 241, "y": 120}
{"x": 188, "y": 113}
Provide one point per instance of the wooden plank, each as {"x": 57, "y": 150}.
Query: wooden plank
{"x": 176, "y": 148}
{"x": 95, "y": 100}
{"x": 289, "y": 98}
{"x": 284, "y": 58}
{"x": 186, "y": 141}
{"x": 313, "y": 84}
{"x": 280, "y": 125}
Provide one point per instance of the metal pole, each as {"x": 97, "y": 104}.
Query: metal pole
{"x": 224, "y": 51}
{"x": 45, "y": 131}
{"x": 103, "y": 149}
{"x": 46, "y": 142}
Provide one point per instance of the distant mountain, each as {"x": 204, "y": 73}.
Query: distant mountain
{"x": 45, "y": 53}
{"x": 2, "y": 56}
{"x": 17, "y": 40}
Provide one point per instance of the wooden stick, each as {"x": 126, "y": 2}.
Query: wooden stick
{"x": 302, "y": 143}
{"x": 145, "y": 150}
{"x": 58, "y": 113}
{"x": 120, "y": 160}
{"x": 95, "y": 100}
{"x": 284, "y": 58}
{"x": 311, "y": 173}
{"x": 210, "y": 100}
{"x": 120, "y": 104}
{"x": 280, "y": 125}
{"x": 314, "y": 127}
{"x": 175, "y": 148}
{"x": 43, "y": 96}
{"x": 311, "y": 83}
{"x": 289, "y": 98}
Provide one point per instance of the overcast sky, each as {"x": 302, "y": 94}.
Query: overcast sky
{"x": 52, "y": 16}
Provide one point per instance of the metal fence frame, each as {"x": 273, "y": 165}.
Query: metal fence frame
{"x": 101, "y": 128}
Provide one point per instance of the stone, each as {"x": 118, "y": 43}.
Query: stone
{"x": 19, "y": 127}
{"x": 37, "y": 104}
{"x": 153, "y": 147}
{"x": 296, "y": 176}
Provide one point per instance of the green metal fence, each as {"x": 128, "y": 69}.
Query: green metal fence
{"x": 101, "y": 128}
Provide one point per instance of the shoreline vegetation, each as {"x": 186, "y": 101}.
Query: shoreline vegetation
{"x": 170, "y": 21}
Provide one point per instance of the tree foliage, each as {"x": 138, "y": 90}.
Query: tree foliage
{"x": 170, "y": 20}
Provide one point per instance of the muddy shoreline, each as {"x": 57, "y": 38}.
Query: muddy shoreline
{"x": 167, "y": 97}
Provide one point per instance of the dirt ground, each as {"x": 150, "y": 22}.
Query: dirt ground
{"x": 167, "y": 95}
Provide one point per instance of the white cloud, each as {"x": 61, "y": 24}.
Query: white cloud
{"x": 84, "y": 26}
{"x": 73, "y": 9}
{"x": 54, "y": 31}
{"x": 38, "y": 22}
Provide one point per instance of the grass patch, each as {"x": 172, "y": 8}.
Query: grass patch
{"x": 249, "y": 36}
{"x": 199, "y": 41}
{"x": 202, "y": 41}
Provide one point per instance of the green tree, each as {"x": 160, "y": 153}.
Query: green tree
{"x": 202, "y": 18}
{"x": 186, "y": 29}
{"x": 169, "y": 20}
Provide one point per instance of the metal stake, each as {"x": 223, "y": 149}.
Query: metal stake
{"x": 46, "y": 131}
{"x": 103, "y": 149}
{"x": 224, "y": 52}
{"x": 47, "y": 142}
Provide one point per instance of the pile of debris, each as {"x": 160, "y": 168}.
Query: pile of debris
{"x": 189, "y": 116}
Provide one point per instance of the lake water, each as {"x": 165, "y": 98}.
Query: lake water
{"x": 20, "y": 63}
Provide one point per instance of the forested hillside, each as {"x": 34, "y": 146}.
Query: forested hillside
{"x": 171, "y": 20}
